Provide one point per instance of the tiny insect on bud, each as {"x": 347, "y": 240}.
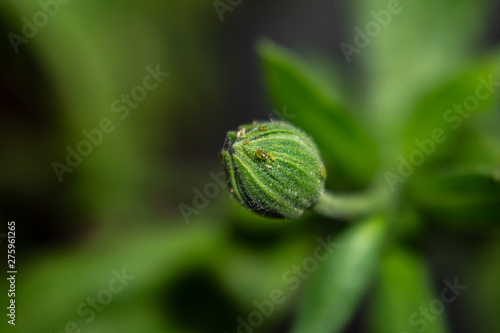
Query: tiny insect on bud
{"x": 261, "y": 154}
{"x": 273, "y": 168}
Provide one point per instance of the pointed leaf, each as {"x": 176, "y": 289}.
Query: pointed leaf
{"x": 349, "y": 153}
{"x": 403, "y": 288}
{"x": 441, "y": 116}
{"x": 407, "y": 54}
{"x": 336, "y": 288}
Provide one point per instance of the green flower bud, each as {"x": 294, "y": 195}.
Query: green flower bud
{"x": 273, "y": 168}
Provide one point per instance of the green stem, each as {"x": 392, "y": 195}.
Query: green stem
{"x": 349, "y": 206}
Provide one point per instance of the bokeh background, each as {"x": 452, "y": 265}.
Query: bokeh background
{"x": 119, "y": 208}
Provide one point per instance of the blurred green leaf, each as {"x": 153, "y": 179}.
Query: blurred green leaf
{"x": 132, "y": 317}
{"x": 448, "y": 108}
{"x": 468, "y": 197}
{"x": 408, "y": 54}
{"x": 481, "y": 147}
{"x": 253, "y": 275}
{"x": 349, "y": 153}
{"x": 340, "y": 282}
{"x": 153, "y": 257}
{"x": 403, "y": 288}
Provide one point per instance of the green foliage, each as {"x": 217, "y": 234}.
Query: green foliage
{"x": 118, "y": 208}
{"x": 462, "y": 198}
{"x": 85, "y": 272}
{"x": 414, "y": 115}
{"x": 448, "y": 108}
{"x": 349, "y": 153}
{"x": 342, "y": 279}
{"x": 403, "y": 288}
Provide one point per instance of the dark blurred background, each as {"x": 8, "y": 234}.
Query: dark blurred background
{"x": 119, "y": 207}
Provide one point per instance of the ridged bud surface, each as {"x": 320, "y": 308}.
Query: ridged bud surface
{"x": 273, "y": 168}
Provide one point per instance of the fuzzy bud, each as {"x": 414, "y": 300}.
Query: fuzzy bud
{"x": 273, "y": 168}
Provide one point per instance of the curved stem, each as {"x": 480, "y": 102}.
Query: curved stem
{"x": 349, "y": 206}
